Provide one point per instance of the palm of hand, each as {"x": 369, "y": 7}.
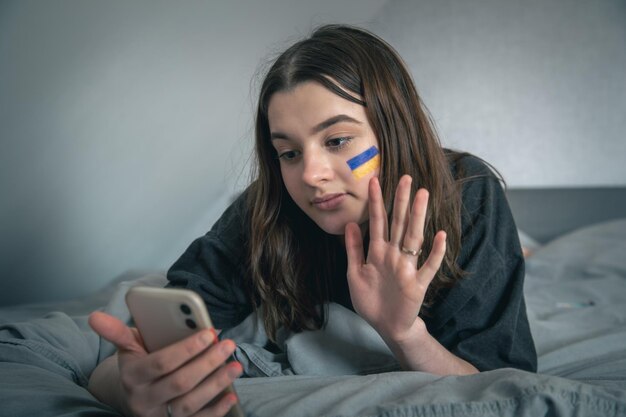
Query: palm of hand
{"x": 387, "y": 289}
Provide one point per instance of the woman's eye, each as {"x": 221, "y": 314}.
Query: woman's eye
{"x": 338, "y": 143}
{"x": 288, "y": 155}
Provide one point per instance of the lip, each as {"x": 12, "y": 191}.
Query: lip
{"x": 328, "y": 201}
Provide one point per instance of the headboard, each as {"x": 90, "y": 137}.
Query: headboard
{"x": 544, "y": 213}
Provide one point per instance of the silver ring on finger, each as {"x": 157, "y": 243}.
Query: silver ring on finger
{"x": 169, "y": 410}
{"x": 411, "y": 252}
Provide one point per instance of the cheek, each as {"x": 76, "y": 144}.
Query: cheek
{"x": 361, "y": 182}
{"x": 365, "y": 169}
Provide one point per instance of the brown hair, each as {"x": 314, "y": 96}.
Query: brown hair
{"x": 285, "y": 270}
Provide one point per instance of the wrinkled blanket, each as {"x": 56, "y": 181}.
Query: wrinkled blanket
{"x": 45, "y": 364}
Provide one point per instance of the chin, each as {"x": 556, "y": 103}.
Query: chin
{"x": 337, "y": 225}
{"x": 337, "y": 228}
{"x": 335, "y": 231}
{"x": 332, "y": 228}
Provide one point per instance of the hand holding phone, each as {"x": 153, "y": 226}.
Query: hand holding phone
{"x": 165, "y": 316}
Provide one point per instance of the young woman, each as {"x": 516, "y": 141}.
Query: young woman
{"x": 353, "y": 201}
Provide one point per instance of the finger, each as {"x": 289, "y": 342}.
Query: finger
{"x": 116, "y": 332}
{"x": 400, "y": 216}
{"x": 186, "y": 378}
{"x": 219, "y": 407}
{"x": 354, "y": 251}
{"x": 164, "y": 361}
{"x": 414, "y": 237}
{"x": 354, "y": 246}
{"x": 429, "y": 269}
{"x": 209, "y": 392}
{"x": 377, "y": 212}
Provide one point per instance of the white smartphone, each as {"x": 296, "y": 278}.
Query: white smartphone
{"x": 166, "y": 315}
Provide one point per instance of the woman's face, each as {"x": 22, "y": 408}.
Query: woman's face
{"x": 315, "y": 133}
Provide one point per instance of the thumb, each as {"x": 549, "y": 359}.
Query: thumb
{"x": 112, "y": 329}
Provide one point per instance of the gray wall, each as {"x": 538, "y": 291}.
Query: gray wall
{"x": 124, "y": 129}
{"x": 537, "y": 87}
{"x": 125, "y": 126}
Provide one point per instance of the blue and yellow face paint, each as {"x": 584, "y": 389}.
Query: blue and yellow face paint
{"x": 365, "y": 162}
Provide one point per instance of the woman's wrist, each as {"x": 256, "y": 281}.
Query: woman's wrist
{"x": 418, "y": 350}
{"x": 407, "y": 345}
{"x": 414, "y": 335}
{"x": 104, "y": 384}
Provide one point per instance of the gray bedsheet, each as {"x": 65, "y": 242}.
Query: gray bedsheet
{"x": 576, "y": 296}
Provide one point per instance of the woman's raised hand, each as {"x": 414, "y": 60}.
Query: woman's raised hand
{"x": 387, "y": 289}
{"x": 188, "y": 376}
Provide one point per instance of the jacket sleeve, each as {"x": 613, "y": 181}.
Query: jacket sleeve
{"x": 212, "y": 266}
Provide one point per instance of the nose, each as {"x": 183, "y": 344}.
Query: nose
{"x": 317, "y": 168}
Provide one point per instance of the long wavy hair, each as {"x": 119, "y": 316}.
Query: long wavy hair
{"x": 291, "y": 260}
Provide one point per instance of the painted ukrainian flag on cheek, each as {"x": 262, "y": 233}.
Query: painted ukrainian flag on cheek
{"x": 365, "y": 162}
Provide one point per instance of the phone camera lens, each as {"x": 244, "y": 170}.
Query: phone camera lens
{"x": 185, "y": 309}
{"x": 191, "y": 324}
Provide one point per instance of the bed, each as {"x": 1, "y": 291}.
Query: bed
{"x": 576, "y": 297}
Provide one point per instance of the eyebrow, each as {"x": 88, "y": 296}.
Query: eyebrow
{"x": 321, "y": 126}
